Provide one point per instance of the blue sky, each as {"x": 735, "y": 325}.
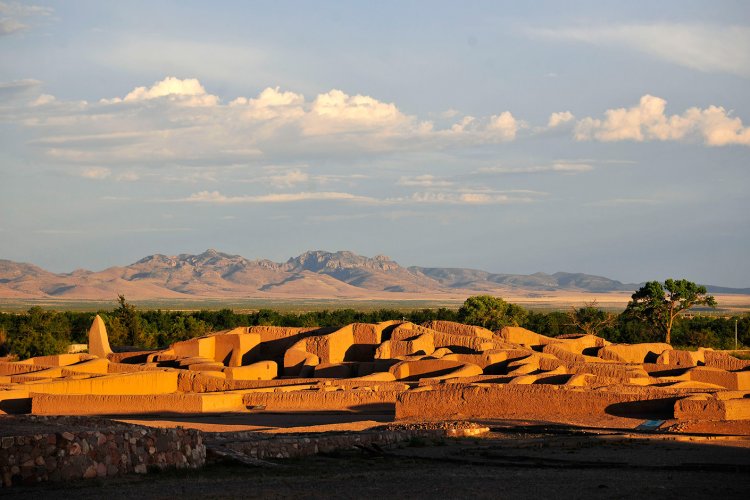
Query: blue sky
{"x": 514, "y": 137}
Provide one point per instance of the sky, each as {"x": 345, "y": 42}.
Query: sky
{"x": 514, "y": 137}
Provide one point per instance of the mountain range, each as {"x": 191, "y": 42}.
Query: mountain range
{"x": 314, "y": 274}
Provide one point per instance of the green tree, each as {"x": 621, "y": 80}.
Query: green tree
{"x": 589, "y": 319}
{"x": 130, "y": 320}
{"x": 659, "y": 304}
{"x": 3, "y": 341}
{"x": 39, "y": 333}
{"x": 490, "y": 312}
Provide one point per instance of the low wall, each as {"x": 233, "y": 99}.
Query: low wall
{"x": 141, "y": 382}
{"x": 63, "y": 456}
{"x": 707, "y": 407}
{"x": 324, "y": 400}
{"x": 278, "y": 446}
{"x": 538, "y": 402}
{"x": 96, "y": 404}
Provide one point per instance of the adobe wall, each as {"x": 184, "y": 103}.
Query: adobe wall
{"x": 458, "y": 329}
{"x": 15, "y": 401}
{"x": 724, "y": 361}
{"x": 367, "y": 338}
{"x": 144, "y": 382}
{"x": 97, "y": 404}
{"x": 15, "y": 368}
{"x": 710, "y": 407}
{"x": 130, "y": 357}
{"x": 65, "y": 456}
{"x": 275, "y": 340}
{"x": 536, "y": 402}
{"x": 336, "y": 400}
{"x": 634, "y": 353}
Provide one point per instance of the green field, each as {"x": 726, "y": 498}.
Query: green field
{"x": 238, "y": 305}
{"x": 303, "y": 305}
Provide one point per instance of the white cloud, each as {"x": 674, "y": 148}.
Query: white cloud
{"x": 505, "y": 125}
{"x": 178, "y": 121}
{"x": 562, "y": 167}
{"x": 215, "y": 197}
{"x": 454, "y": 197}
{"x": 464, "y": 198}
{"x": 648, "y": 121}
{"x": 426, "y": 180}
{"x": 272, "y": 103}
{"x": 463, "y": 125}
{"x": 163, "y": 130}
{"x": 702, "y": 47}
{"x": 188, "y": 91}
{"x": 494, "y": 129}
{"x": 336, "y": 112}
{"x": 96, "y": 173}
{"x": 559, "y": 118}
{"x": 289, "y": 179}
{"x": 347, "y": 179}
{"x": 42, "y": 100}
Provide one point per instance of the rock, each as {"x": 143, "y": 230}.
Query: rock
{"x": 90, "y": 472}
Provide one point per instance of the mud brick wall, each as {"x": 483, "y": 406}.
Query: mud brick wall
{"x": 63, "y": 456}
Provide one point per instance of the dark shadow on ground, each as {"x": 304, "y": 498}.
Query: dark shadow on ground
{"x": 648, "y": 409}
{"x": 264, "y": 419}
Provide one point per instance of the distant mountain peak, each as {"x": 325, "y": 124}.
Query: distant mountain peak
{"x": 315, "y": 273}
{"x": 320, "y": 260}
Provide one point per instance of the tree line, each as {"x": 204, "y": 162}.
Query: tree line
{"x": 41, "y": 331}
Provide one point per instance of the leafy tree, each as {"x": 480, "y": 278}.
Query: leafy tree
{"x": 589, "y": 319}
{"x": 3, "y": 341}
{"x": 130, "y": 320}
{"x": 490, "y": 312}
{"x": 659, "y": 304}
{"x": 551, "y": 323}
{"x": 40, "y": 333}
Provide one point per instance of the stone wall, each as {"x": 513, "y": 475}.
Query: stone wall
{"x": 279, "y": 446}
{"x": 62, "y": 456}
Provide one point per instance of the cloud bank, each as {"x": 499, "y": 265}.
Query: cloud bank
{"x": 648, "y": 121}
{"x": 178, "y": 122}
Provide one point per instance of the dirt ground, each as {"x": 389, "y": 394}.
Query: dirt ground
{"x": 513, "y": 461}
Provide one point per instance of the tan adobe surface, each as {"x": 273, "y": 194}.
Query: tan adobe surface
{"x": 439, "y": 370}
